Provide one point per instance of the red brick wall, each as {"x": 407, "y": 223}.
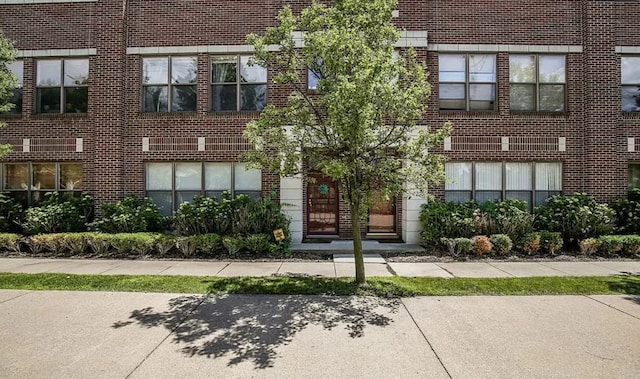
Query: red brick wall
{"x": 595, "y": 161}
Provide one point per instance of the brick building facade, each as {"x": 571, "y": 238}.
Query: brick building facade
{"x": 151, "y": 97}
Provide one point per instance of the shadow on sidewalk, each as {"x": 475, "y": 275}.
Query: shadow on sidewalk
{"x": 252, "y": 327}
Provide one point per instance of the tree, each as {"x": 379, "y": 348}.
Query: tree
{"x": 360, "y": 126}
{"x": 8, "y": 83}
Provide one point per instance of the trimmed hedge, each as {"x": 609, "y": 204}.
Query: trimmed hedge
{"x": 132, "y": 245}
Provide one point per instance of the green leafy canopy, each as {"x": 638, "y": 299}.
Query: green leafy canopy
{"x": 8, "y": 83}
{"x": 360, "y": 126}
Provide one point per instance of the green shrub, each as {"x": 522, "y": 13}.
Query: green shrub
{"x": 631, "y": 245}
{"x": 57, "y": 215}
{"x": 454, "y": 220}
{"x": 509, "y": 217}
{"x": 208, "y": 244}
{"x": 481, "y": 245}
{"x": 458, "y": 246}
{"x": 126, "y": 244}
{"x": 100, "y": 243}
{"x": 11, "y": 214}
{"x": 627, "y": 213}
{"x": 131, "y": 215}
{"x": 501, "y": 243}
{"x": 187, "y": 245}
{"x": 530, "y": 243}
{"x": 464, "y": 245}
{"x": 10, "y": 242}
{"x": 240, "y": 215}
{"x": 610, "y": 245}
{"x": 576, "y": 217}
{"x": 589, "y": 246}
{"x": 41, "y": 243}
{"x": 258, "y": 243}
{"x": 550, "y": 242}
{"x": 164, "y": 244}
{"x": 72, "y": 243}
{"x": 233, "y": 244}
{"x": 280, "y": 248}
{"x": 447, "y": 220}
{"x": 450, "y": 245}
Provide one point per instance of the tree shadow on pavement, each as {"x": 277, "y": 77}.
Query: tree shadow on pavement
{"x": 629, "y": 283}
{"x": 252, "y": 327}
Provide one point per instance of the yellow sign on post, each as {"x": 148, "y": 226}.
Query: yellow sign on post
{"x": 278, "y": 234}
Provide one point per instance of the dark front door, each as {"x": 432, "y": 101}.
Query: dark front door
{"x": 382, "y": 216}
{"x": 322, "y": 205}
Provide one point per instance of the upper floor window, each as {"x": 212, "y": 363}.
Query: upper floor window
{"x": 169, "y": 84}
{"x": 28, "y": 182}
{"x": 532, "y": 182}
{"x": 467, "y": 82}
{"x": 314, "y": 74}
{"x": 537, "y": 83}
{"x": 631, "y": 84}
{"x": 17, "y": 68}
{"x": 236, "y": 86}
{"x": 170, "y": 184}
{"x": 62, "y": 86}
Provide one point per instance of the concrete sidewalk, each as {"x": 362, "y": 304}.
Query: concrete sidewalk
{"x": 59, "y": 334}
{"x": 340, "y": 266}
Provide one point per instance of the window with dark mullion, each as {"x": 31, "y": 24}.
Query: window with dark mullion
{"x": 17, "y": 68}
{"x": 537, "y": 83}
{"x": 170, "y": 184}
{"x": 169, "y": 84}
{"x": 237, "y": 85}
{"x": 532, "y": 182}
{"x": 467, "y": 82}
{"x": 62, "y": 85}
{"x": 29, "y": 182}
{"x": 630, "y": 84}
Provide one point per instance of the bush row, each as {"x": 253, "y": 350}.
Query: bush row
{"x": 563, "y": 221}
{"x": 612, "y": 245}
{"x": 238, "y": 220}
{"x": 547, "y": 243}
{"x": 125, "y": 245}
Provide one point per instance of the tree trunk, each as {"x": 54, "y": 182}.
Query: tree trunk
{"x": 357, "y": 244}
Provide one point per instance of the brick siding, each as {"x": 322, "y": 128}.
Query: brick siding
{"x": 595, "y": 129}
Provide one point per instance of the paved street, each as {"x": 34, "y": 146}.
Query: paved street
{"x": 58, "y": 334}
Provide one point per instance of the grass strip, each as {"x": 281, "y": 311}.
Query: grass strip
{"x": 376, "y": 286}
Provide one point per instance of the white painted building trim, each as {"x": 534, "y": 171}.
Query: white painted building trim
{"x": 488, "y": 48}
{"x": 292, "y": 203}
{"x": 504, "y": 142}
{"x": 55, "y": 53}
{"x": 79, "y": 145}
{"x": 628, "y": 49}
{"x": 411, "y": 219}
{"x": 416, "y": 38}
{"x": 631, "y": 144}
{"x": 145, "y": 143}
{"x": 562, "y": 143}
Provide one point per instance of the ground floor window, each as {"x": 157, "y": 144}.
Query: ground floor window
{"x": 28, "y": 182}
{"x": 634, "y": 176}
{"x": 170, "y": 184}
{"x": 532, "y": 182}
